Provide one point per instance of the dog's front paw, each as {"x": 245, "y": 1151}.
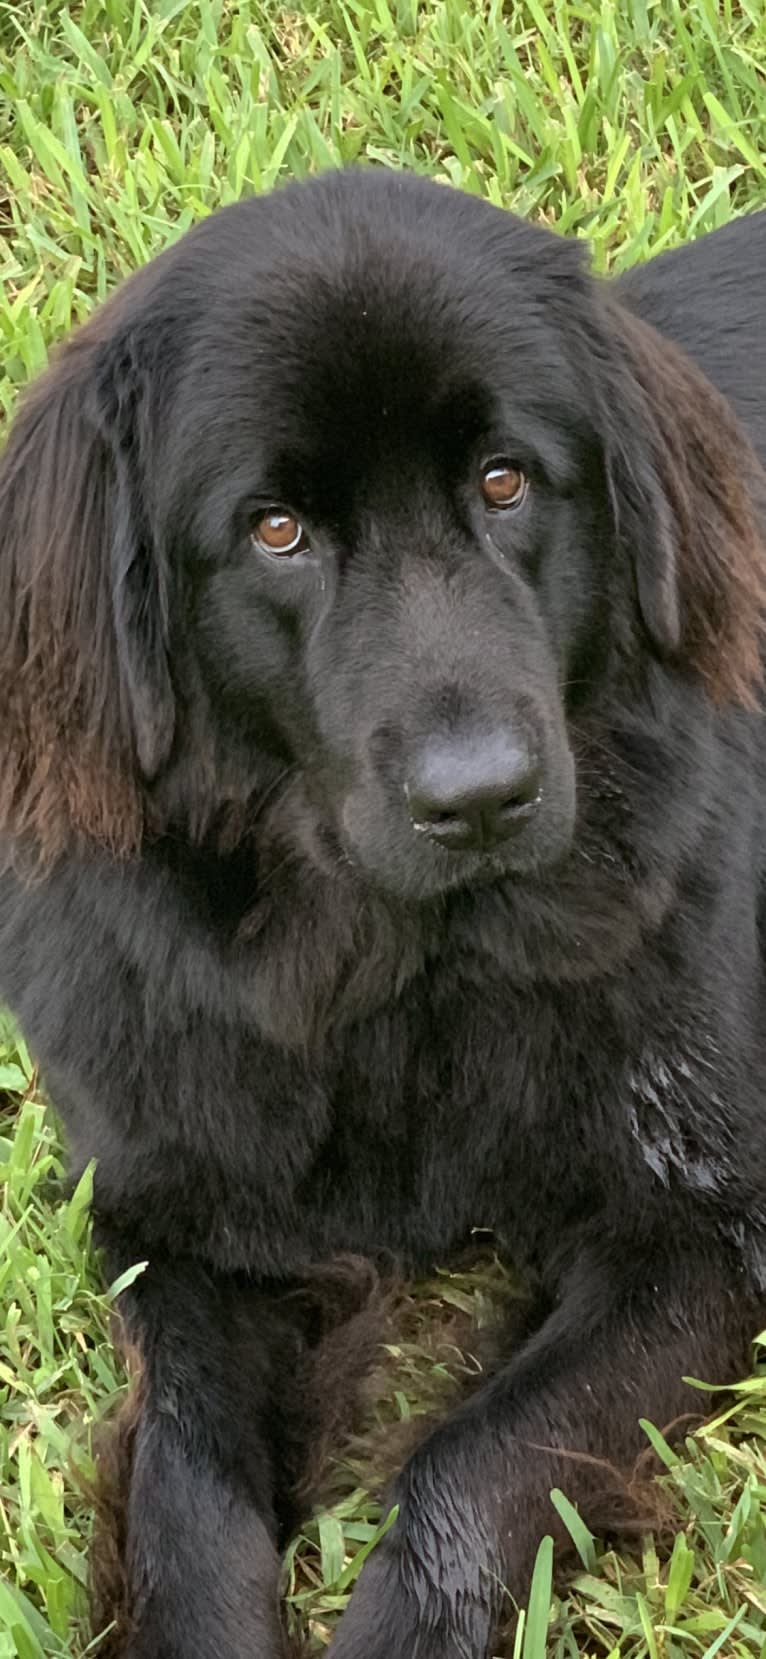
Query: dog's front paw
{"x": 429, "y": 1591}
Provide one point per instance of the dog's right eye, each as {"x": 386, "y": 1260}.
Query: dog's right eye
{"x": 503, "y": 485}
{"x": 279, "y": 533}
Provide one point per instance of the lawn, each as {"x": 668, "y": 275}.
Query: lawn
{"x": 635, "y": 124}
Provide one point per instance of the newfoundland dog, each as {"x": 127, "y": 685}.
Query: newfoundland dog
{"x": 383, "y": 801}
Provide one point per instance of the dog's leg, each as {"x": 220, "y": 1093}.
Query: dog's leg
{"x": 474, "y": 1499}
{"x": 214, "y": 1444}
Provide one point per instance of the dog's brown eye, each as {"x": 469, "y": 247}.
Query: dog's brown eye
{"x": 279, "y": 533}
{"x": 503, "y": 485}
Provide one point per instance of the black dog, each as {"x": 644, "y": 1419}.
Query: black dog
{"x": 383, "y": 785}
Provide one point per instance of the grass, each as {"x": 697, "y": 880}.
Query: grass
{"x": 636, "y": 124}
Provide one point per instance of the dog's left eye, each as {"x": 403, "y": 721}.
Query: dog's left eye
{"x": 503, "y": 485}
{"x": 279, "y": 533}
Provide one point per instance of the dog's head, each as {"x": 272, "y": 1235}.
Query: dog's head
{"x": 367, "y": 487}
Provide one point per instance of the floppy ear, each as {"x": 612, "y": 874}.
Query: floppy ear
{"x": 687, "y": 492}
{"x": 85, "y": 688}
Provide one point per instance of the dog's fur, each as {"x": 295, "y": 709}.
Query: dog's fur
{"x": 289, "y": 1027}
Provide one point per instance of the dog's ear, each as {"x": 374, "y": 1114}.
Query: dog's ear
{"x": 85, "y": 689}
{"x": 687, "y": 491}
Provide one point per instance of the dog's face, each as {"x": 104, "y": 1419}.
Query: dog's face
{"x": 383, "y": 496}
{"x": 365, "y": 443}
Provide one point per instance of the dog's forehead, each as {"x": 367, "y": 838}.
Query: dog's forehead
{"x": 352, "y": 313}
{"x": 383, "y": 339}
{"x": 386, "y": 311}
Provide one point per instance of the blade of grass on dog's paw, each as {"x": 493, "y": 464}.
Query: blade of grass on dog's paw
{"x": 355, "y": 1566}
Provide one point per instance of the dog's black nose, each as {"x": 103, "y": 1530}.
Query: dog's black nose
{"x": 470, "y": 795}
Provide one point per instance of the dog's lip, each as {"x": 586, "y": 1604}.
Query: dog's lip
{"x": 432, "y": 872}
{"x": 451, "y": 872}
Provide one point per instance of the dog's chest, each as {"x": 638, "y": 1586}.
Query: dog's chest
{"x": 457, "y": 1109}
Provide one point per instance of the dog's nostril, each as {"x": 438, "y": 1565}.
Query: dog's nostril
{"x": 526, "y": 794}
{"x": 469, "y": 794}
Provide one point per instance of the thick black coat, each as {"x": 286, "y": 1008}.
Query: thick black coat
{"x": 290, "y": 1025}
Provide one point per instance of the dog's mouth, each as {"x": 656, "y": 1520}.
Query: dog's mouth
{"x": 384, "y": 842}
{"x": 421, "y": 871}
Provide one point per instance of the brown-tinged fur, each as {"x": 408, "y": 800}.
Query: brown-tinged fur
{"x": 109, "y": 1594}
{"x": 66, "y": 762}
{"x": 715, "y": 488}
